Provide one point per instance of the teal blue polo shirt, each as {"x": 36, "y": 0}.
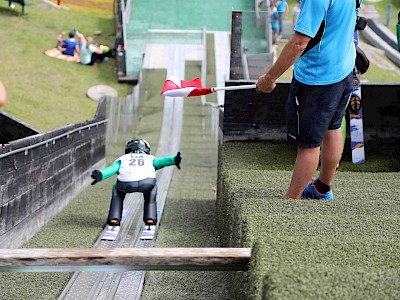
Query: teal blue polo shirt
{"x": 281, "y": 7}
{"x": 333, "y": 58}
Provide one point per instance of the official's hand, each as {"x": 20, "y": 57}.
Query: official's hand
{"x": 265, "y": 84}
{"x": 96, "y": 175}
{"x": 178, "y": 160}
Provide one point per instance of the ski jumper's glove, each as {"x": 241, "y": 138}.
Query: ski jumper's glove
{"x": 96, "y": 175}
{"x": 161, "y": 162}
{"x": 178, "y": 160}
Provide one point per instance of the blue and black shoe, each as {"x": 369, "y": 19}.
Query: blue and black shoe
{"x": 311, "y": 192}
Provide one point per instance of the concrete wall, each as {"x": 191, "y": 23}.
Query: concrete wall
{"x": 12, "y": 129}
{"x": 251, "y": 115}
{"x": 41, "y": 173}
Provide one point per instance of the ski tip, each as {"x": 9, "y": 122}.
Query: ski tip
{"x": 111, "y": 233}
{"x": 148, "y": 232}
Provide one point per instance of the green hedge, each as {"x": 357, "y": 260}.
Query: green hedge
{"x": 348, "y": 248}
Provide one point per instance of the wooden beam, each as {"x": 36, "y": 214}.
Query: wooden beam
{"x": 123, "y": 259}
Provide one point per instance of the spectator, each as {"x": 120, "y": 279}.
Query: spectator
{"x": 107, "y": 53}
{"x": 89, "y": 53}
{"x": 282, "y": 7}
{"x": 295, "y": 13}
{"x": 319, "y": 91}
{"x": 3, "y": 94}
{"x": 274, "y": 21}
{"x": 69, "y": 45}
{"x": 60, "y": 46}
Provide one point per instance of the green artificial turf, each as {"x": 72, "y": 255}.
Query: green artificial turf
{"x": 348, "y": 248}
{"x": 326, "y": 281}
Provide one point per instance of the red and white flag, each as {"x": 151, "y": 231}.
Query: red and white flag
{"x": 175, "y": 87}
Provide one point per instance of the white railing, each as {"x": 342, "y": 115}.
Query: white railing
{"x": 204, "y": 63}
{"x": 128, "y": 11}
{"x": 123, "y": 15}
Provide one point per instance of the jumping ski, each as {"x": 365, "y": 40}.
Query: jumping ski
{"x": 356, "y": 126}
{"x": 355, "y": 107}
{"x": 148, "y": 232}
{"x": 111, "y": 233}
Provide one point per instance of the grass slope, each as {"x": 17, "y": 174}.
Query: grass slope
{"x": 44, "y": 92}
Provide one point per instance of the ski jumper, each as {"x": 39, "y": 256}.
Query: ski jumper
{"x": 136, "y": 173}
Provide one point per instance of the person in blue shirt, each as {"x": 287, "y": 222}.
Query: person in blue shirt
{"x": 323, "y": 54}
{"x": 274, "y": 16}
{"x": 69, "y": 45}
{"x": 282, "y": 7}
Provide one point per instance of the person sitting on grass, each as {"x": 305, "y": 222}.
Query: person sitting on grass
{"x": 67, "y": 46}
{"x": 136, "y": 173}
{"x": 89, "y": 53}
{"x": 105, "y": 56}
{"x": 61, "y": 46}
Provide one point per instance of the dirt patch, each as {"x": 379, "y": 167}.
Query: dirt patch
{"x": 83, "y": 5}
{"x": 89, "y": 4}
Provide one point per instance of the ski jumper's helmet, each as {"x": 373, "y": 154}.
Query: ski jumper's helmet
{"x": 137, "y": 146}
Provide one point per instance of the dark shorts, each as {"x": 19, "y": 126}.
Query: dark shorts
{"x": 311, "y": 110}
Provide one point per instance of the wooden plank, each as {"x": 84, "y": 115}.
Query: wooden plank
{"x": 118, "y": 259}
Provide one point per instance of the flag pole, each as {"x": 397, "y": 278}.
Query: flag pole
{"x": 235, "y": 87}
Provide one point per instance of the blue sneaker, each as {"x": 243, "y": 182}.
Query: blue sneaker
{"x": 311, "y": 192}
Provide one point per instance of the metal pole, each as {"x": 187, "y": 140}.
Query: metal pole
{"x": 236, "y": 45}
{"x": 389, "y": 11}
{"x": 204, "y": 62}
